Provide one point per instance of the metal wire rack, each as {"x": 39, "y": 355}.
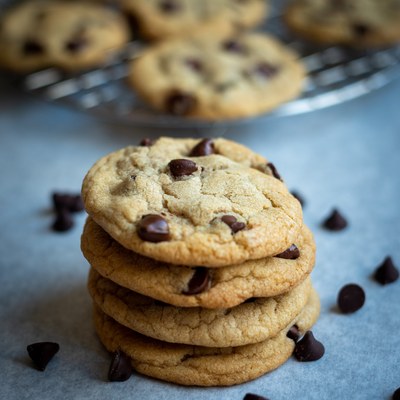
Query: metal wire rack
{"x": 335, "y": 74}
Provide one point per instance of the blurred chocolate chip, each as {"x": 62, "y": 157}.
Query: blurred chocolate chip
{"x": 76, "y": 44}
{"x": 182, "y": 167}
{"x": 146, "y": 142}
{"x": 233, "y": 46}
{"x": 169, "y": 6}
{"x": 351, "y": 298}
{"x": 308, "y": 348}
{"x": 153, "y": 228}
{"x": 69, "y": 202}
{"x": 180, "y": 103}
{"x": 120, "y": 367}
{"x": 292, "y": 253}
{"x": 251, "y": 396}
{"x": 335, "y": 221}
{"x": 41, "y": 353}
{"x": 274, "y": 171}
{"x": 299, "y": 197}
{"x": 294, "y": 333}
{"x": 63, "y": 221}
{"x": 31, "y": 47}
{"x": 396, "y": 394}
{"x": 203, "y": 148}
{"x": 233, "y": 223}
{"x": 194, "y": 64}
{"x": 386, "y": 272}
{"x": 199, "y": 281}
{"x": 361, "y": 30}
{"x": 266, "y": 70}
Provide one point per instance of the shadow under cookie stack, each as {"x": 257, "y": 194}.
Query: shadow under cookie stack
{"x": 200, "y": 261}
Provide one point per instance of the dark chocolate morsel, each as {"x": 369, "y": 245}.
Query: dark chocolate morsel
{"x": 292, "y": 253}
{"x": 308, "y": 348}
{"x": 294, "y": 333}
{"x": 233, "y": 223}
{"x": 233, "y": 46}
{"x": 386, "y": 272}
{"x": 396, "y": 394}
{"x": 194, "y": 64}
{"x": 63, "y": 221}
{"x": 203, "y": 148}
{"x": 182, "y": 167}
{"x": 199, "y": 281}
{"x": 335, "y": 221}
{"x": 251, "y": 396}
{"x": 180, "y": 103}
{"x": 41, "y": 353}
{"x": 361, "y": 30}
{"x": 31, "y": 47}
{"x": 146, "y": 142}
{"x": 120, "y": 367}
{"x": 274, "y": 171}
{"x": 69, "y": 202}
{"x": 169, "y": 6}
{"x": 351, "y": 298}
{"x": 76, "y": 44}
{"x": 265, "y": 70}
{"x": 298, "y": 196}
{"x": 153, "y": 228}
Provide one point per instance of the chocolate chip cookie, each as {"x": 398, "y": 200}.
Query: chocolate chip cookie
{"x": 360, "y": 23}
{"x": 68, "y": 35}
{"x": 168, "y": 203}
{"x": 218, "y": 77}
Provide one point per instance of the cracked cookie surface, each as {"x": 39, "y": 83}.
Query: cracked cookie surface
{"x": 161, "y": 202}
{"x": 203, "y": 366}
{"x": 161, "y": 19}
{"x": 218, "y": 77}
{"x": 229, "y": 286}
{"x": 247, "y": 323}
{"x": 68, "y": 35}
{"x": 360, "y": 23}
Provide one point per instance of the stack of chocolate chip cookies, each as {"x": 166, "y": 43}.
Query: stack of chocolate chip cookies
{"x": 200, "y": 260}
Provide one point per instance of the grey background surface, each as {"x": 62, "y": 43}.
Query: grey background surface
{"x": 346, "y": 157}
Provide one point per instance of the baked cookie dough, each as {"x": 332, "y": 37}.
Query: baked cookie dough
{"x": 163, "y": 202}
{"x": 215, "y": 77}
{"x": 65, "y": 34}
{"x": 359, "y": 23}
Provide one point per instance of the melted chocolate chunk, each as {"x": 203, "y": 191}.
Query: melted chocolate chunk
{"x": 233, "y": 223}
{"x": 294, "y": 333}
{"x": 147, "y": 142}
{"x": 32, "y": 47}
{"x": 120, "y": 367}
{"x": 266, "y": 70}
{"x": 292, "y": 253}
{"x": 182, "y": 167}
{"x": 199, "y": 281}
{"x": 274, "y": 171}
{"x": 41, "y": 353}
{"x": 180, "y": 103}
{"x": 351, "y": 298}
{"x": 309, "y": 348}
{"x": 153, "y": 228}
{"x": 203, "y": 148}
{"x": 335, "y": 221}
{"x": 386, "y": 272}
{"x": 251, "y": 396}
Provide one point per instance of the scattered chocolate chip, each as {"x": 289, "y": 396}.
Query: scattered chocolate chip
{"x": 169, "y": 6}
{"x": 69, "y": 202}
{"x": 180, "y": 103}
{"x": 203, "y": 148}
{"x": 308, "y": 348}
{"x": 294, "y": 333}
{"x": 32, "y": 47}
{"x": 361, "y": 30}
{"x": 351, "y": 298}
{"x": 153, "y": 228}
{"x": 251, "y": 396}
{"x": 63, "y": 221}
{"x": 120, "y": 367}
{"x": 41, "y": 353}
{"x": 396, "y": 394}
{"x": 386, "y": 272}
{"x": 199, "y": 281}
{"x": 182, "y": 167}
{"x": 299, "y": 197}
{"x": 292, "y": 253}
{"x": 335, "y": 221}
{"x": 274, "y": 171}
{"x": 233, "y": 223}
{"x": 76, "y": 44}
{"x": 194, "y": 64}
{"x": 233, "y": 46}
{"x": 146, "y": 142}
{"x": 266, "y": 70}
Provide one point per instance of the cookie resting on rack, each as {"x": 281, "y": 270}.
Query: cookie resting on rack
{"x": 358, "y": 23}
{"x": 69, "y": 35}
{"x": 215, "y": 77}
